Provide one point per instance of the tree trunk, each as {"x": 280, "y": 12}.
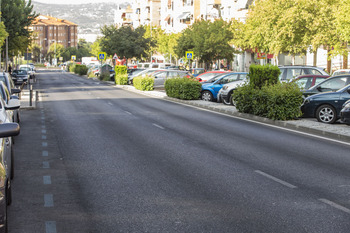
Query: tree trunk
{"x": 345, "y": 57}
{"x": 329, "y": 61}
{"x": 315, "y": 58}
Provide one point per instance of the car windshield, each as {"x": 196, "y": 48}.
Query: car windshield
{"x": 20, "y": 72}
{"x": 216, "y": 78}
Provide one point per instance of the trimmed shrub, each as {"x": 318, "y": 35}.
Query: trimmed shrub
{"x": 183, "y": 88}
{"x": 81, "y": 69}
{"x": 104, "y": 77}
{"x": 71, "y": 67}
{"x": 143, "y": 83}
{"x": 262, "y": 75}
{"x": 121, "y": 79}
{"x": 120, "y": 70}
{"x": 121, "y": 75}
{"x": 280, "y": 101}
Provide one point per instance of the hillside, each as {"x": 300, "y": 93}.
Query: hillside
{"x": 90, "y": 17}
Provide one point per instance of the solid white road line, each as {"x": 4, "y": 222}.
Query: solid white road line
{"x": 276, "y": 179}
{"x": 128, "y": 112}
{"x": 335, "y": 205}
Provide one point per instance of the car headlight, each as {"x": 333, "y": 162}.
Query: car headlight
{"x": 307, "y": 101}
{"x": 346, "y": 106}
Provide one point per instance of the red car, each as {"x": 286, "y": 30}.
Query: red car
{"x": 309, "y": 80}
{"x": 208, "y": 75}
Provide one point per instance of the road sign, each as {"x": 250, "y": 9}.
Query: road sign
{"x": 189, "y": 54}
{"x": 102, "y": 56}
{"x": 115, "y": 57}
{"x": 73, "y": 58}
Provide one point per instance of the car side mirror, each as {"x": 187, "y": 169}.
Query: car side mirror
{"x": 13, "y": 104}
{"x": 9, "y": 130}
{"x": 348, "y": 90}
{"x": 319, "y": 88}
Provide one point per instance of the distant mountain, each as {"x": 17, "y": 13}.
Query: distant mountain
{"x": 90, "y": 17}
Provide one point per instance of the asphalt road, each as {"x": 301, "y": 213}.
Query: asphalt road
{"x": 95, "y": 158}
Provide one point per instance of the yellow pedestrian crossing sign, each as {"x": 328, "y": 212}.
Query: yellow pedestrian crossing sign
{"x": 102, "y": 56}
{"x": 189, "y": 54}
{"x": 73, "y": 58}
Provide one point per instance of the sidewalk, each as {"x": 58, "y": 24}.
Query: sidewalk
{"x": 307, "y": 125}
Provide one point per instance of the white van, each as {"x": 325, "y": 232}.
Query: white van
{"x": 153, "y": 65}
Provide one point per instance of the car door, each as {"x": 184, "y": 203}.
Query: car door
{"x": 220, "y": 83}
{"x": 159, "y": 78}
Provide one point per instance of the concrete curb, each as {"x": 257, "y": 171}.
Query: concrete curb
{"x": 283, "y": 124}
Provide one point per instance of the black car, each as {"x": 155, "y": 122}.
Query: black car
{"x": 326, "y": 107}
{"x": 345, "y": 113}
{"x": 330, "y": 84}
{"x": 20, "y": 76}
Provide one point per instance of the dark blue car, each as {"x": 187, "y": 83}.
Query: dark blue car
{"x": 326, "y": 107}
{"x": 211, "y": 88}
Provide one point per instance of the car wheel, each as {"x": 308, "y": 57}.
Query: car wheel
{"x": 232, "y": 102}
{"x": 207, "y": 96}
{"x": 326, "y": 114}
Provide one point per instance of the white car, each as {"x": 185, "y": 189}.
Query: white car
{"x": 29, "y": 69}
{"x": 225, "y": 93}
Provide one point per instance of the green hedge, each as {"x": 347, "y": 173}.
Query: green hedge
{"x": 80, "y": 69}
{"x": 262, "y": 75}
{"x": 120, "y": 70}
{"x": 183, "y": 88}
{"x": 280, "y": 101}
{"x": 121, "y": 79}
{"x": 143, "y": 83}
{"x": 71, "y": 67}
{"x": 121, "y": 75}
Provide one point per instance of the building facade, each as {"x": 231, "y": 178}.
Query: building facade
{"x": 48, "y": 30}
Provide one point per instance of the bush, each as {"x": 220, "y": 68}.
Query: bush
{"x": 120, "y": 70}
{"x": 81, "y": 69}
{"x": 280, "y": 101}
{"x": 121, "y": 79}
{"x": 71, "y": 67}
{"x": 262, "y": 75}
{"x": 121, "y": 75}
{"x": 183, "y": 88}
{"x": 143, "y": 83}
{"x": 104, "y": 77}
{"x": 91, "y": 75}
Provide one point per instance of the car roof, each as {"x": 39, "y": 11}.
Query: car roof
{"x": 312, "y": 75}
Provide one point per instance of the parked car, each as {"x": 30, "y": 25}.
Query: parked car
{"x": 341, "y": 72}
{"x": 225, "y": 93}
{"x": 20, "y": 76}
{"x": 197, "y": 71}
{"x": 161, "y": 76}
{"x": 29, "y": 69}
{"x": 290, "y": 72}
{"x": 142, "y": 74}
{"x": 326, "y": 107}
{"x": 209, "y": 75}
{"x": 5, "y": 94}
{"x": 345, "y": 113}
{"x": 330, "y": 84}
{"x": 307, "y": 81}
{"x": 6, "y": 78}
{"x": 211, "y": 87}
{"x": 173, "y": 67}
{"x": 7, "y": 130}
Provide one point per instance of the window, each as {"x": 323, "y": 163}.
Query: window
{"x": 305, "y": 83}
{"x": 314, "y": 71}
{"x": 334, "y": 84}
{"x": 318, "y": 80}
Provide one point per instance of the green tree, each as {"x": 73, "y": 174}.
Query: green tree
{"x": 95, "y": 48}
{"x": 167, "y": 44}
{"x": 209, "y": 41}
{"x": 17, "y": 16}
{"x": 125, "y": 41}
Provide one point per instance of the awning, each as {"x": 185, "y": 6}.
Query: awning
{"x": 184, "y": 15}
{"x": 167, "y": 18}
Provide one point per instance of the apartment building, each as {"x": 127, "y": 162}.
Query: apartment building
{"x": 48, "y": 30}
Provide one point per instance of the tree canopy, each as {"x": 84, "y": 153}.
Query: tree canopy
{"x": 125, "y": 41}
{"x": 17, "y": 16}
